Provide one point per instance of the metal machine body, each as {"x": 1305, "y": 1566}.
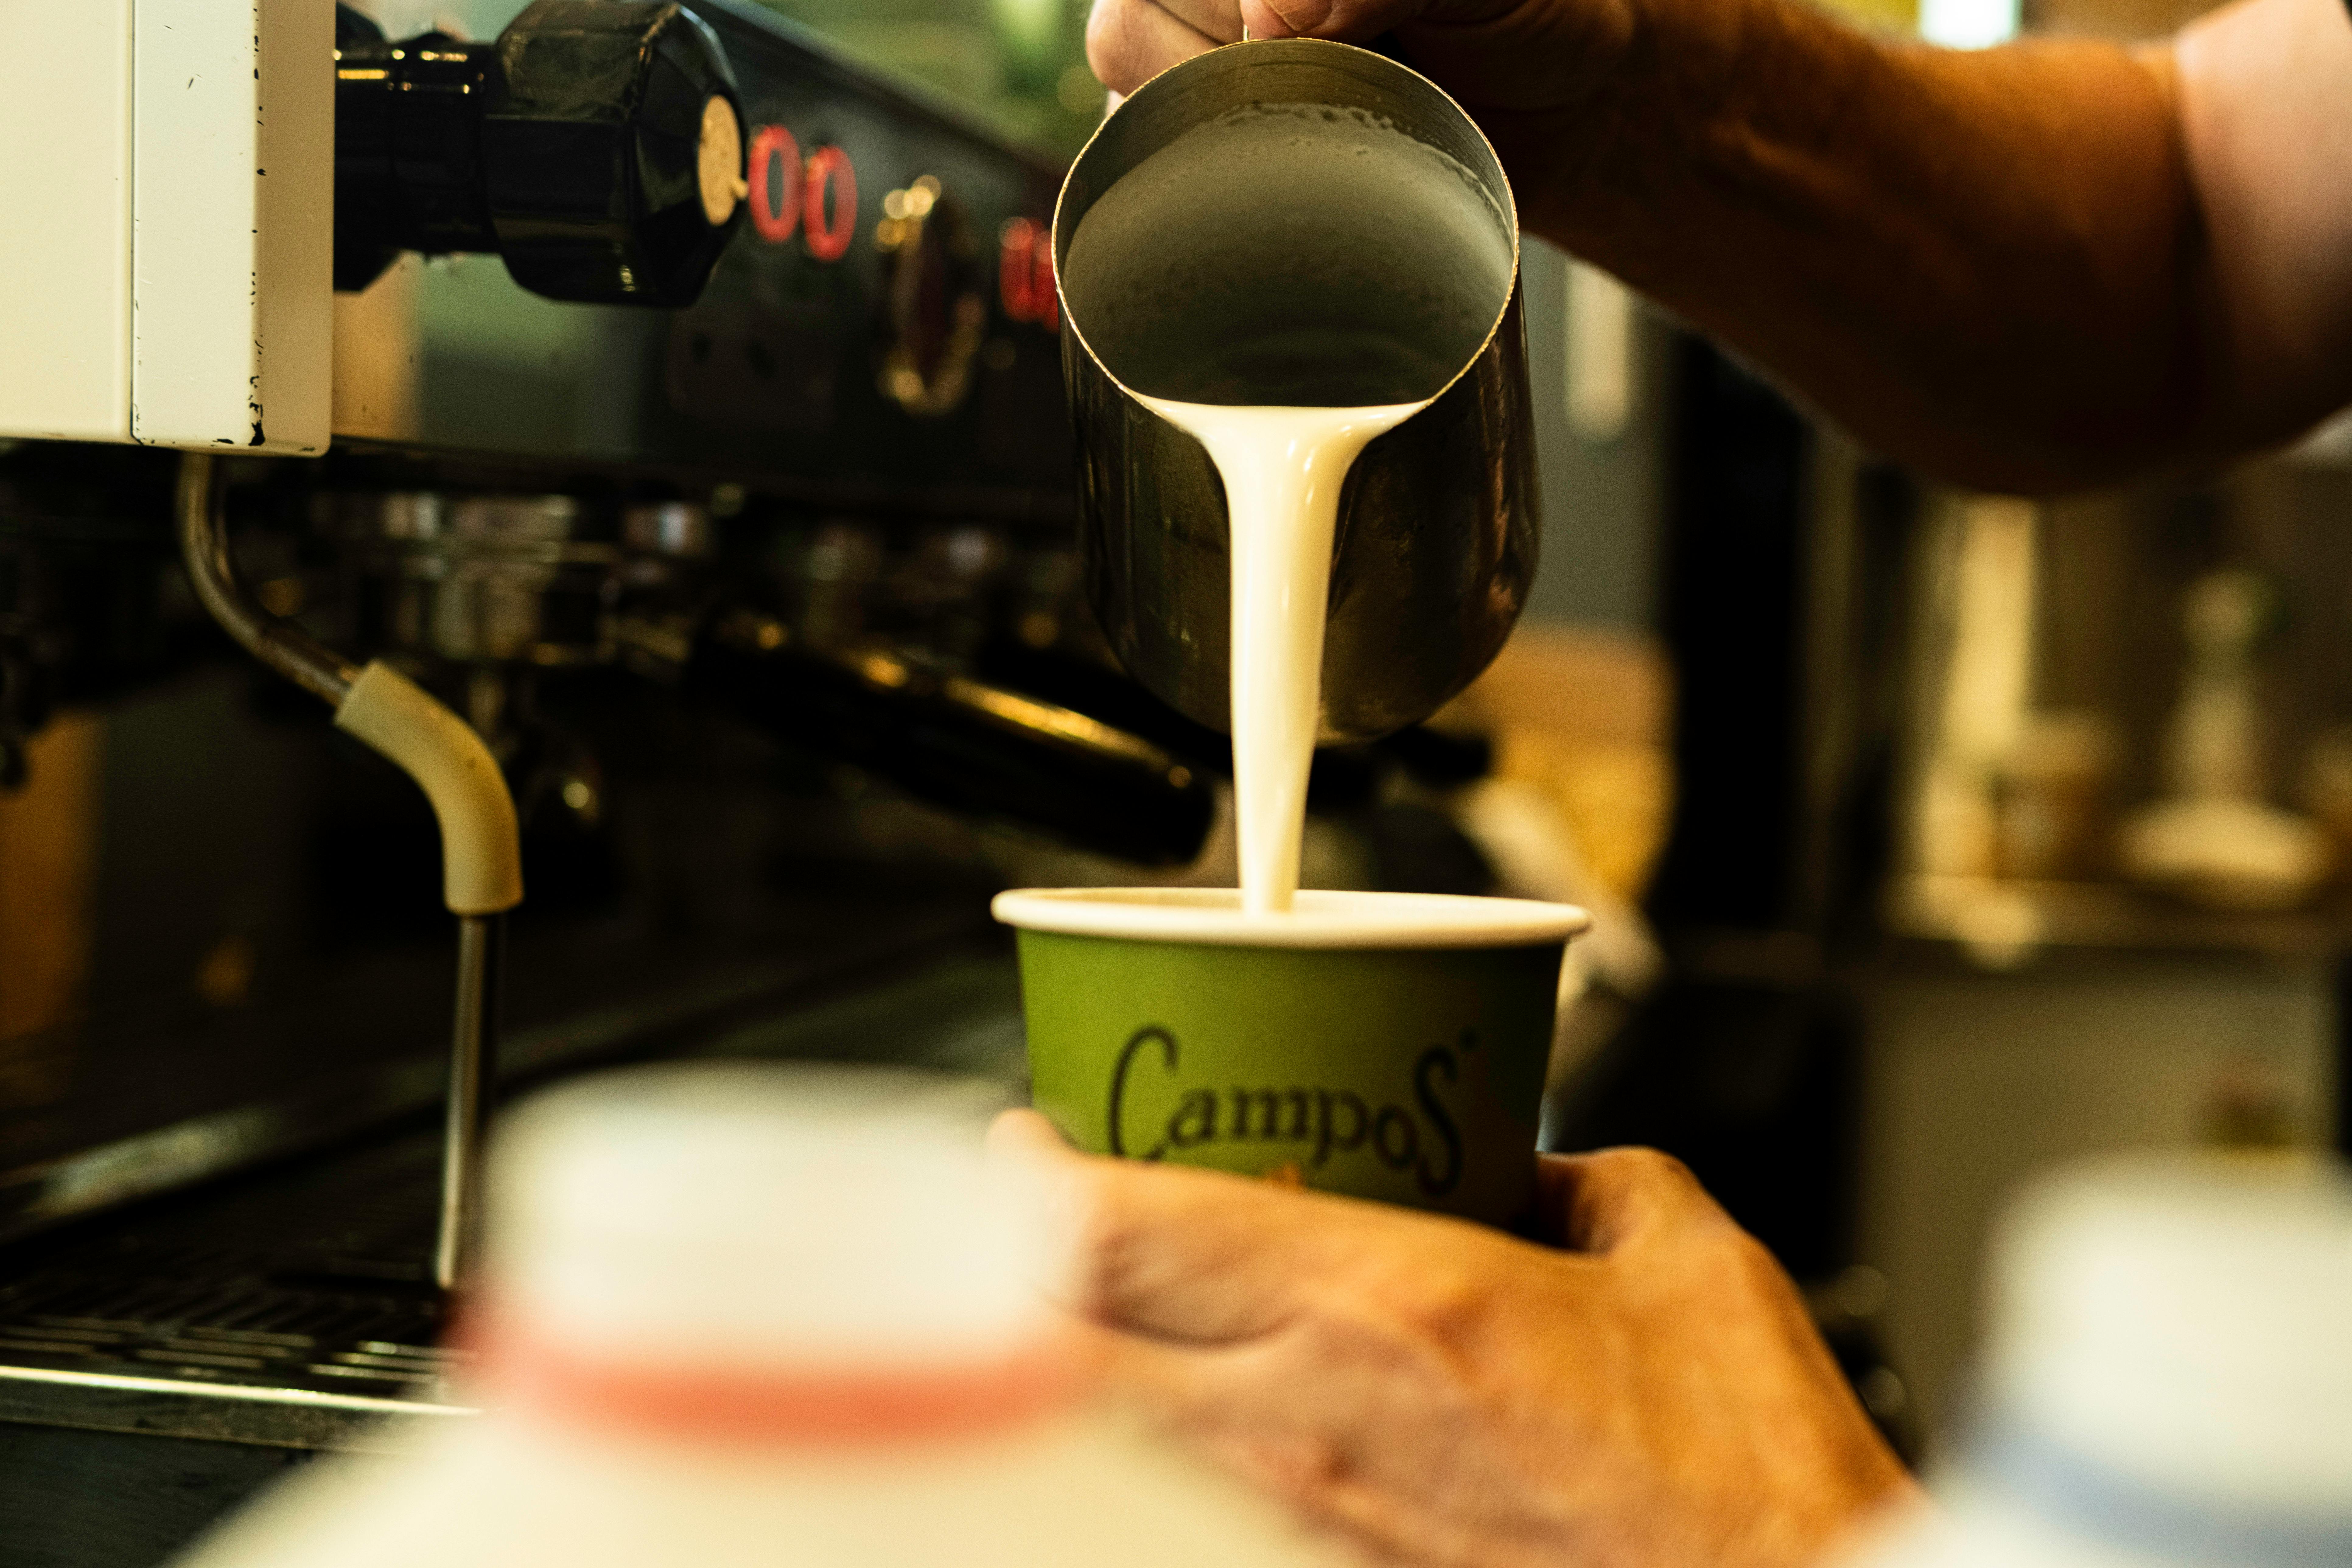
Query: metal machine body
{"x": 816, "y": 362}
{"x": 713, "y": 566}
{"x": 748, "y": 561}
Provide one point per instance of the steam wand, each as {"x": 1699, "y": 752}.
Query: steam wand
{"x": 481, "y": 858}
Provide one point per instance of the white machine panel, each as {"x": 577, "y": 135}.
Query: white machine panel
{"x": 65, "y": 237}
{"x": 233, "y": 231}
{"x": 180, "y": 248}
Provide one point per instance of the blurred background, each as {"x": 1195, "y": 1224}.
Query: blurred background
{"x": 1935, "y": 836}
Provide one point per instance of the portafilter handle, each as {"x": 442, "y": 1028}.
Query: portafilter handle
{"x": 970, "y": 745}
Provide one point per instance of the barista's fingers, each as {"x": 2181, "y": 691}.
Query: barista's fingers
{"x": 1243, "y": 1403}
{"x": 1201, "y": 1256}
{"x": 1218, "y": 19}
{"x": 1160, "y": 1249}
{"x": 1350, "y": 21}
{"x": 1128, "y": 42}
{"x": 1209, "y": 1259}
{"x": 1175, "y": 1384}
{"x": 1285, "y": 1434}
{"x": 1600, "y": 1201}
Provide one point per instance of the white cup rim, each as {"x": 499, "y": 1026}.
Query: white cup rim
{"x": 1321, "y": 918}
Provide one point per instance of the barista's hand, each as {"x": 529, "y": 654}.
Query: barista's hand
{"x": 1490, "y": 54}
{"x": 1443, "y": 1394}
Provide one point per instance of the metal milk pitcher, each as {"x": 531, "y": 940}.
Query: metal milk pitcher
{"x": 1293, "y": 249}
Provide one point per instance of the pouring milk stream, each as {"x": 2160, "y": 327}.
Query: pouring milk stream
{"x": 1282, "y": 469}
{"x": 1285, "y": 349}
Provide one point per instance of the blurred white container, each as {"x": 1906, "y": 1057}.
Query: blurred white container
{"x": 739, "y": 1315}
{"x": 2169, "y": 1378}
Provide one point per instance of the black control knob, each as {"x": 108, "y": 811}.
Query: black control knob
{"x": 597, "y": 146}
{"x": 613, "y": 151}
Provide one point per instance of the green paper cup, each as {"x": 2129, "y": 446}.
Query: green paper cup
{"x": 1387, "y": 1046}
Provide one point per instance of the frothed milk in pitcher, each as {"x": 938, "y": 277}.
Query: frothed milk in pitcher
{"x": 1357, "y": 270}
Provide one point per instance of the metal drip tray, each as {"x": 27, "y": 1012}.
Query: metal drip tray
{"x": 348, "y": 1347}
{"x": 292, "y": 1307}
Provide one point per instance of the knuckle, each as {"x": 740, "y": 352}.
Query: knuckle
{"x": 1743, "y": 1269}
{"x": 1108, "y": 1236}
{"x": 1302, "y": 16}
{"x": 1650, "y": 1175}
{"x": 1658, "y": 1168}
{"x": 1302, "y": 1466}
{"x": 1424, "y": 1328}
{"x": 1298, "y": 1460}
{"x": 1444, "y": 1302}
{"x": 1423, "y": 1278}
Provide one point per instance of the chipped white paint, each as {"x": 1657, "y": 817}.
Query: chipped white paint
{"x": 232, "y": 209}
{"x": 169, "y": 245}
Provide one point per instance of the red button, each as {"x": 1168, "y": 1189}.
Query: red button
{"x": 775, "y": 183}
{"x": 830, "y": 200}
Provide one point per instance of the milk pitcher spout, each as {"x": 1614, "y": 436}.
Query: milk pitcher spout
{"x": 1301, "y": 223}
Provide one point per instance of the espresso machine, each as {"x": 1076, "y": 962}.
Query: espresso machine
{"x": 644, "y": 429}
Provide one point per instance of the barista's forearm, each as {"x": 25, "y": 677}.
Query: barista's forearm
{"x": 1988, "y": 264}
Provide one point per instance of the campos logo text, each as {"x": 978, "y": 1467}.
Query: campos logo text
{"x": 1423, "y": 1139}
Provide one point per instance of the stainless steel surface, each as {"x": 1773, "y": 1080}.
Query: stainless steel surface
{"x": 247, "y": 1324}
{"x": 1438, "y": 524}
{"x": 775, "y": 377}
{"x": 203, "y": 546}
{"x": 473, "y": 1046}
{"x": 219, "y": 1412}
{"x": 515, "y": 578}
